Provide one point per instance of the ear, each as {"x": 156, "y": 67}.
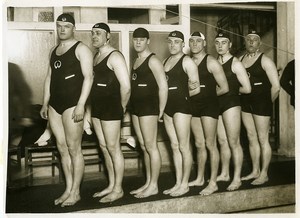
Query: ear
{"x": 148, "y": 41}
{"x": 230, "y": 44}
{"x": 183, "y": 44}
{"x": 108, "y": 36}
{"x": 204, "y": 43}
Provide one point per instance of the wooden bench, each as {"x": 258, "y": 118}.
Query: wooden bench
{"x": 37, "y": 156}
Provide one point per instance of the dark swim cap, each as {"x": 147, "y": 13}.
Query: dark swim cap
{"x": 102, "y": 26}
{"x": 176, "y": 34}
{"x": 141, "y": 33}
{"x": 223, "y": 35}
{"x": 66, "y": 18}
{"x": 198, "y": 34}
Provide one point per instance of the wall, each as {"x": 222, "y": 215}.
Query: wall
{"x": 286, "y": 44}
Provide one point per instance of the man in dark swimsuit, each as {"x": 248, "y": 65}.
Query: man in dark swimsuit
{"x": 257, "y": 106}
{"x": 67, "y": 87}
{"x": 205, "y": 111}
{"x": 149, "y": 93}
{"x": 109, "y": 97}
{"x": 229, "y": 123}
{"x": 183, "y": 81}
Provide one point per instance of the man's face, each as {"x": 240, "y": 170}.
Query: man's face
{"x": 196, "y": 44}
{"x": 222, "y": 45}
{"x": 140, "y": 44}
{"x": 65, "y": 30}
{"x": 99, "y": 37}
{"x": 252, "y": 43}
{"x": 175, "y": 45}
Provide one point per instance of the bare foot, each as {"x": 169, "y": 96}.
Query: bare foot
{"x": 234, "y": 185}
{"x": 149, "y": 191}
{"x": 252, "y": 175}
{"x": 197, "y": 182}
{"x": 71, "y": 200}
{"x": 113, "y": 196}
{"x": 180, "y": 191}
{"x": 211, "y": 188}
{"x": 103, "y": 192}
{"x": 223, "y": 177}
{"x": 62, "y": 198}
{"x": 136, "y": 191}
{"x": 260, "y": 180}
{"x": 169, "y": 191}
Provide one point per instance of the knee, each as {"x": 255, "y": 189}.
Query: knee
{"x": 233, "y": 141}
{"x": 175, "y": 147}
{"x": 263, "y": 139}
{"x": 113, "y": 149}
{"x": 200, "y": 145}
{"x": 252, "y": 136}
{"x": 222, "y": 141}
{"x": 74, "y": 151}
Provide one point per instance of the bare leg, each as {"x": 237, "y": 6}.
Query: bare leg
{"x": 262, "y": 125}
{"x": 107, "y": 159}
{"x": 210, "y": 129}
{"x": 56, "y": 124}
{"x": 224, "y": 151}
{"x": 253, "y": 145}
{"x": 73, "y": 132}
{"x": 148, "y": 126}
{"x": 182, "y": 123}
{"x": 197, "y": 130}
{"x": 111, "y": 130}
{"x": 233, "y": 135}
{"x": 137, "y": 128}
{"x": 68, "y": 135}
{"x": 177, "y": 158}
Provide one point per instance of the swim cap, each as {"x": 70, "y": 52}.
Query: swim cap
{"x": 223, "y": 35}
{"x": 198, "y": 35}
{"x": 176, "y": 34}
{"x": 141, "y": 33}
{"x": 102, "y": 26}
{"x": 66, "y": 18}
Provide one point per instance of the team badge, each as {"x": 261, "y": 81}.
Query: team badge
{"x": 134, "y": 76}
{"x": 57, "y": 64}
{"x": 249, "y": 75}
{"x": 64, "y": 19}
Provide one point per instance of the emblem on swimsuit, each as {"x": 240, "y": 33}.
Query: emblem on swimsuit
{"x": 134, "y": 76}
{"x": 57, "y": 64}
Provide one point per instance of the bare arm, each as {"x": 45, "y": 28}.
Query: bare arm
{"x": 191, "y": 70}
{"x": 85, "y": 57}
{"x": 270, "y": 68}
{"x": 160, "y": 77}
{"x": 242, "y": 76}
{"x": 118, "y": 64}
{"x": 46, "y": 97}
{"x": 216, "y": 69}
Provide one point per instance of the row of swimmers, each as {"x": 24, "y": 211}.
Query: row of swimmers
{"x": 194, "y": 96}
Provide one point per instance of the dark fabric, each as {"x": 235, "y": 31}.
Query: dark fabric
{"x": 287, "y": 80}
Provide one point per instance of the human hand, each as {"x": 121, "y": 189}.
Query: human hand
{"x": 78, "y": 113}
{"x": 44, "y": 112}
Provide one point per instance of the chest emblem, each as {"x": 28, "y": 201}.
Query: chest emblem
{"x": 134, "y": 76}
{"x": 57, "y": 64}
